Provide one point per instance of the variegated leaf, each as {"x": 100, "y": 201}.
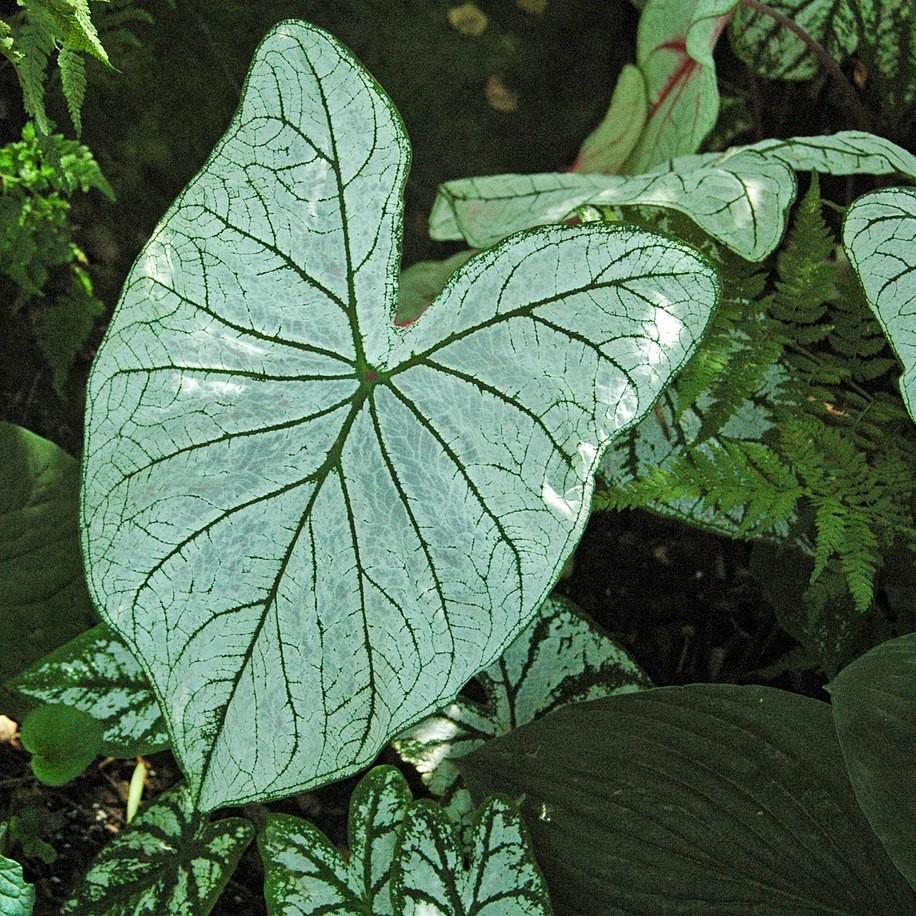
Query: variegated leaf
{"x": 502, "y": 877}
{"x": 97, "y": 674}
{"x": 304, "y": 520}
{"x": 880, "y": 239}
{"x": 708, "y": 20}
{"x": 17, "y": 896}
{"x": 169, "y": 862}
{"x": 305, "y": 874}
{"x": 560, "y": 658}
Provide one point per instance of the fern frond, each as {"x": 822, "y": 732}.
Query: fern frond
{"x": 34, "y": 40}
{"x": 73, "y": 81}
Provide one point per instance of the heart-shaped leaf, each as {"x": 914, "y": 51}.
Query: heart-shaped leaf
{"x": 17, "y": 896}
{"x": 169, "y": 861}
{"x": 43, "y": 597}
{"x": 311, "y": 526}
{"x": 62, "y": 741}
{"x": 874, "y": 710}
{"x": 692, "y": 800}
{"x": 879, "y": 235}
{"x": 429, "y": 877}
{"x": 560, "y": 657}
{"x": 97, "y": 674}
{"x": 304, "y": 872}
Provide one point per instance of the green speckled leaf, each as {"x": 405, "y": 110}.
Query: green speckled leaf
{"x": 880, "y": 239}
{"x": 17, "y": 896}
{"x": 96, "y": 673}
{"x": 743, "y": 201}
{"x": 43, "y": 597}
{"x": 502, "y": 877}
{"x": 305, "y": 874}
{"x": 772, "y": 51}
{"x": 171, "y": 861}
{"x": 313, "y": 525}
{"x": 874, "y": 710}
{"x": 560, "y": 657}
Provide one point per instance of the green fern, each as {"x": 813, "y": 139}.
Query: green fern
{"x": 73, "y": 81}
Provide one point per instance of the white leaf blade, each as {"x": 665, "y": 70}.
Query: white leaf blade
{"x": 879, "y": 235}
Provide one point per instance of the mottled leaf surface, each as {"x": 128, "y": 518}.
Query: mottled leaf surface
{"x": 560, "y": 657}
{"x": 874, "y": 710}
{"x": 304, "y": 872}
{"x": 17, "y": 896}
{"x": 422, "y": 282}
{"x": 311, "y": 526}
{"x": 43, "y": 597}
{"x": 706, "y": 799}
{"x": 879, "y": 235}
{"x": 97, "y": 674}
{"x": 169, "y": 862}
{"x": 502, "y": 878}
{"x": 743, "y": 201}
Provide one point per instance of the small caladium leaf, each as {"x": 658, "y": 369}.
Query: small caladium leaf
{"x": 503, "y": 877}
{"x": 17, "y": 896}
{"x": 879, "y": 235}
{"x": 707, "y": 21}
{"x": 306, "y": 521}
{"x": 560, "y": 657}
{"x": 774, "y": 52}
{"x": 97, "y": 674}
{"x": 606, "y": 149}
{"x": 743, "y": 202}
{"x": 682, "y": 93}
{"x": 693, "y": 800}
{"x": 43, "y": 597}
{"x": 874, "y": 710}
{"x": 62, "y": 741}
{"x": 169, "y": 861}
{"x": 304, "y": 872}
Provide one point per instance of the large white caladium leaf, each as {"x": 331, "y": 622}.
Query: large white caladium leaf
{"x": 429, "y": 877}
{"x": 304, "y": 872}
{"x": 96, "y": 673}
{"x": 744, "y": 202}
{"x": 560, "y": 657}
{"x": 17, "y": 896}
{"x": 312, "y": 526}
{"x": 879, "y": 235}
{"x": 169, "y": 862}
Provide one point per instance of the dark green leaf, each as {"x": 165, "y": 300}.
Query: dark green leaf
{"x": 62, "y": 741}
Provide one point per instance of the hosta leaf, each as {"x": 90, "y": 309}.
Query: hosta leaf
{"x": 308, "y": 524}
{"x": 606, "y": 148}
{"x": 169, "y": 862}
{"x": 17, "y": 896}
{"x": 692, "y": 800}
{"x": 880, "y": 238}
{"x": 743, "y": 202}
{"x": 304, "y": 872}
{"x": 43, "y": 597}
{"x": 96, "y": 673}
{"x": 874, "y": 710}
{"x": 559, "y": 658}
{"x": 682, "y": 93}
{"x": 773, "y": 51}
{"x": 503, "y": 878}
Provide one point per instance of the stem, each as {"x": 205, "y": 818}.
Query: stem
{"x": 859, "y": 112}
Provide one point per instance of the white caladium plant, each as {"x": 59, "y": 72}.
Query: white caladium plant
{"x": 405, "y": 860}
{"x": 312, "y": 526}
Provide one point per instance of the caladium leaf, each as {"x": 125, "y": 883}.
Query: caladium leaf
{"x": 313, "y": 527}
{"x": 607, "y": 147}
{"x": 682, "y": 93}
{"x": 97, "y": 674}
{"x": 169, "y": 862}
{"x": 707, "y": 21}
{"x": 17, "y": 896}
{"x": 710, "y": 798}
{"x": 43, "y": 597}
{"x": 879, "y": 235}
{"x": 874, "y": 710}
{"x": 304, "y": 872}
{"x": 743, "y": 202}
{"x": 503, "y": 878}
{"x": 422, "y": 282}
{"x": 560, "y": 657}
{"x": 773, "y": 51}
